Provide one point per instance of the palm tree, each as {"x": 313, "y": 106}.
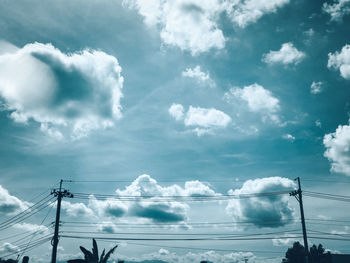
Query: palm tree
{"x": 92, "y": 257}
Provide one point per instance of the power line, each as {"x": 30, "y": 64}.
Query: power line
{"x": 35, "y": 244}
{"x": 34, "y": 234}
{"x": 25, "y": 216}
{"x": 180, "y": 239}
{"x": 182, "y": 234}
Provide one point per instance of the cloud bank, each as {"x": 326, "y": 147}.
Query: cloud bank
{"x": 151, "y": 207}
{"x": 70, "y": 94}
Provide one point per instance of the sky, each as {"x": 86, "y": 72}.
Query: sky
{"x": 169, "y": 101}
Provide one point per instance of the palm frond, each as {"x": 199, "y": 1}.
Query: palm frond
{"x": 104, "y": 260}
{"x": 94, "y": 250}
{"x": 87, "y": 254}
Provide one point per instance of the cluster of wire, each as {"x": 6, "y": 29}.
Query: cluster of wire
{"x": 30, "y": 239}
{"x": 26, "y": 243}
{"x": 28, "y": 212}
{"x": 342, "y": 198}
{"x": 27, "y": 240}
{"x": 177, "y": 198}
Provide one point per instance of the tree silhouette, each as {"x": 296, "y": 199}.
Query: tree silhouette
{"x": 296, "y": 254}
{"x": 318, "y": 255}
{"x": 92, "y": 257}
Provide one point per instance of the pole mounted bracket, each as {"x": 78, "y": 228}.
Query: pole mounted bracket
{"x": 64, "y": 193}
{"x": 295, "y": 193}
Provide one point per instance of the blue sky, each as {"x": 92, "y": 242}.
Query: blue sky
{"x": 176, "y": 97}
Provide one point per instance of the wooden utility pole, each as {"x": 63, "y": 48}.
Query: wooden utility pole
{"x": 298, "y": 195}
{"x": 60, "y": 194}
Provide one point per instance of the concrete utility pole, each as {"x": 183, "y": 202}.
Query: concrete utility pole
{"x": 298, "y": 195}
{"x": 60, "y": 194}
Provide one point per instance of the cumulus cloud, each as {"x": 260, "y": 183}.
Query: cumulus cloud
{"x": 77, "y": 209}
{"x": 245, "y": 12}
{"x": 109, "y": 207}
{"x": 287, "y": 55}
{"x": 176, "y": 111}
{"x": 144, "y": 199}
{"x": 337, "y": 149}
{"x": 316, "y": 87}
{"x": 341, "y": 60}
{"x": 65, "y": 93}
{"x": 206, "y": 118}
{"x": 107, "y": 227}
{"x": 162, "y": 210}
{"x": 7, "y": 248}
{"x": 288, "y": 137}
{"x": 201, "y": 77}
{"x": 188, "y": 24}
{"x": 287, "y": 241}
{"x": 10, "y": 204}
{"x": 203, "y": 120}
{"x": 258, "y": 99}
{"x": 269, "y": 211}
{"x": 39, "y": 229}
{"x": 337, "y": 9}
{"x": 193, "y": 25}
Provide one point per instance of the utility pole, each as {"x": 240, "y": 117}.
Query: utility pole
{"x": 60, "y": 194}
{"x": 298, "y": 195}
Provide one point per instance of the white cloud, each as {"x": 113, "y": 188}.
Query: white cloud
{"x": 341, "y": 61}
{"x": 337, "y": 149}
{"x": 337, "y": 9}
{"x": 316, "y": 87}
{"x": 66, "y": 93}
{"x": 108, "y": 208}
{"x": 188, "y": 24}
{"x": 10, "y": 204}
{"x": 203, "y": 119}
{"x": 39, "y": 229}
{"x": 153, "y": 206}
{"x": 245, "y": 12}
{"x": 199, "y": 76}
{"x": 7, "y": 248}
{"x": 193, "y": 25}
{"x": 176, "y": 111}
{"x": 206, "y": 118}
{"x": 318, "y": 123}
{"x": 269, "y": 211}
{"x": 258, "y": 99}
{"x": 77, "y": 209}
{"x": 287, "y": 241}
{"x": 161, "y": 210}
{"x": 288, "y": 137}
{"x": 288, "y": 54}
{"x": 107, "y": 227}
